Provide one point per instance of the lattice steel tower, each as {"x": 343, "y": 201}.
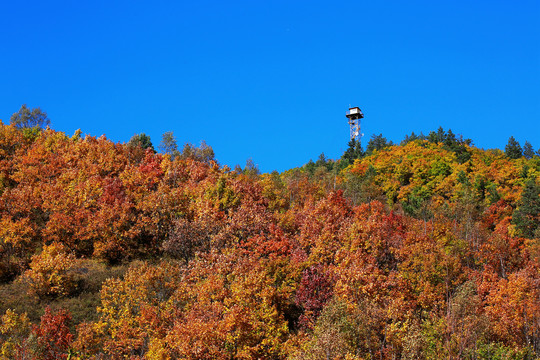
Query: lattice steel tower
{"x": 354, "y": 115}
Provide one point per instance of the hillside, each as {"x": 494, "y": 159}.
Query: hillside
{"x": 424, "y": 250}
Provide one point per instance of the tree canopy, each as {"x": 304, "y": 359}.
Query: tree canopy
{"x": 425, "y": 250}
{"x": 141, "y": 140}
{"x": 29, "y": 118}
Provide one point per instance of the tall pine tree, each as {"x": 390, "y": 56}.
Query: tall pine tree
{"x": 527, "y": 215}
{"x": 528, "y": 150}
{"x": 353, "y": 152}
{"x": 513, "y": 149}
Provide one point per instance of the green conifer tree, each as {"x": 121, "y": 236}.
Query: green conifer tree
{"x": 528, "y": 150}
{"x": 377, "y": 142}
{"x": 353, "y": 152}
{"x": 513, "y": 149}
{"x": 527, "y": 215}
{"x": 141, "y": 140}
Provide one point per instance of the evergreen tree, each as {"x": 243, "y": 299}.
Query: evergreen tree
{"x": 141, "y": 140}
{"x": 353, "y": 152}
{"x": 527, "y": 215}
{"x": 321, "y": 161}
{"x": 528, "y": 150}
{"x": 513, "y": 149}
{"x": 377, "y": 142}
{"x": 437, "y": 137}
{"x": 456, "y": 145}
{"x": 493, "y": 194}
{"x": 524, "y": 173}
{"x": 450, "y": 139}
{"x": 310, "y": 167}
{"x": 409, "y": 138}
{"x": 463, "y": 179}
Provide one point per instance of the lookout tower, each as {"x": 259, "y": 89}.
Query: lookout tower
{"x": 354, "y": 115}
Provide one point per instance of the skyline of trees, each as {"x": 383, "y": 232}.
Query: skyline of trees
{"x": 429, "y": 249}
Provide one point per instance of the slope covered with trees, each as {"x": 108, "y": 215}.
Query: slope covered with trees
{"x": 424, "y": 250}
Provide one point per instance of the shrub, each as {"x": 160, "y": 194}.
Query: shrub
{"x": 51, "y": 273}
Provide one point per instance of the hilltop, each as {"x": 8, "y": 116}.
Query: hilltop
{"x": 426, "y": 249}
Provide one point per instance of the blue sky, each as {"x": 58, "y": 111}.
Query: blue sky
{"x": 271, "y": 80}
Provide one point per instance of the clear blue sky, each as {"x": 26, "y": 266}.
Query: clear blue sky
{"x": 271, "y": 80}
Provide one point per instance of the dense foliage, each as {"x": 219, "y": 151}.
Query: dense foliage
{"x": 425, "y": 250}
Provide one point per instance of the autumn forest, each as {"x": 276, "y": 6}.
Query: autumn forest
{"x": 426, "y": 249}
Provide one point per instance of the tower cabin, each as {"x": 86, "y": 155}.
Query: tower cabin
{"x": 354, "y": 113}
